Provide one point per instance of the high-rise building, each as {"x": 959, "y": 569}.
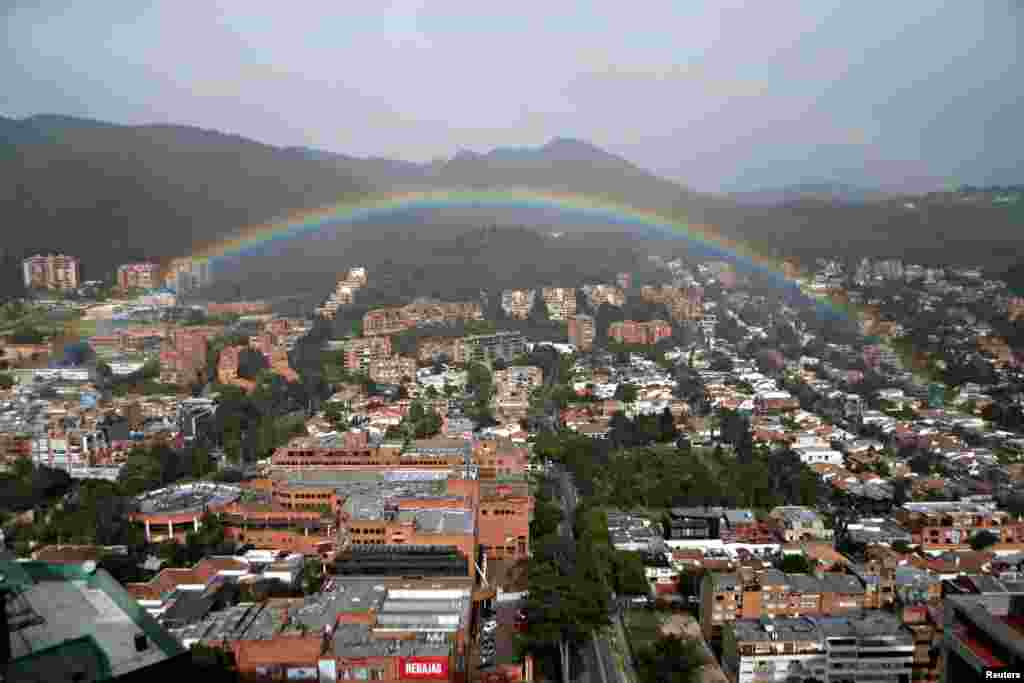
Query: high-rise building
{"x": 487, "y": 348}
{"x": 560, "y": 301}
{"x": 56, "y": 271}
{"x": 517, "y": 303}
{"x": 632, "y": 332}
{"x": 188, "y": 275}
{"x": 138, "y": 276}
{"x": 581, "y": 332}
{"x": 873, "y": 646}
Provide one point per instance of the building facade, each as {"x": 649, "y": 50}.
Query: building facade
{"x": 581, "y": 332}
{"x": 56, "y": 271}
{"x": 138, "y": 276}
{"x": 560, "y": 302}
{"x": 644, "y": 333}
{"x": 874, "y": 647}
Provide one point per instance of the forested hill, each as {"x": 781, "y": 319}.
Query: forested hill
{"x": 110, "y": 194}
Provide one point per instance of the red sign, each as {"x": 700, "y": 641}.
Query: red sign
{"x": 425, "y": 668}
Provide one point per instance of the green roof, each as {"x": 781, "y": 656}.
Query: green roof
{"x": 68, "y": 618}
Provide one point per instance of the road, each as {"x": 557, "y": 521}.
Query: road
{"x": 599, "y": 665}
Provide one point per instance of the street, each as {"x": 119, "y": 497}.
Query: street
{"x": 598, "y": 658}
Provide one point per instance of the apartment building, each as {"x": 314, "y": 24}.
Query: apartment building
{"x": 393, "y": 370}
{"x": 871, "y": 647}
{"x": 796, "y": 523}
{"x": 344, "y": 293}
{"x": 750, "y": 594}
{"x": 430, "y": 349}
{"x": 56, "y": 271}
{"x": 516, "y": 382}
{"x": 878, "y": 575}
{"x": 183, "y": 355}
{"x": 487, "y": 348}
{"x": 682, "y": 303}
{"x": 951, "y": 525}
{"x": 517, "y": 303}
{"x": 560, "y": 302}
{"x": 396, "y": 319}
{"x": 604, "y": 294}
{"x": 632, "y": 332}
{"x": 360, "y": 353}
{"x": 138, "y": 276}
{"x": 581, "y": 332}
{"x": 227, "y": 368}
{"x": 186, "y": 275}
{"x": 237, "y": 308}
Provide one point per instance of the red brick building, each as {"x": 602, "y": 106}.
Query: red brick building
{"x": 138, "y": 276}
{"x": 632, "y": 332}
{"x": 581, "y": 332}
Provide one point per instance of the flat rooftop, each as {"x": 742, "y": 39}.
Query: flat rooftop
{"x": 400, "y": 598}
{"x": 358, "y": 640}
{"x": 62, "y": 616}
{"x": 187, "y": 498}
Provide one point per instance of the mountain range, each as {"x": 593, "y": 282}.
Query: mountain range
{"x": 112, "y": 193}
{"x": 822, "y": 191}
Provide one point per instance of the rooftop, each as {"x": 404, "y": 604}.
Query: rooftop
{"x": 187, "y": 498}
{"x": 76, "y": 615}
{"x": 873, "y": 625}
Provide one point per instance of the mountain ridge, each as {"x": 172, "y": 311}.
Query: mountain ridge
{"x": 112, "y": 193}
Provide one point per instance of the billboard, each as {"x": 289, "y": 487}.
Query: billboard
{"x": 424, "y": 668}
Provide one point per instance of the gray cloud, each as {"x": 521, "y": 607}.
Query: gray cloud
{"x": 723, "y": 94}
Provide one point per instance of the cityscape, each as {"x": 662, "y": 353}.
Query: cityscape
{"x": 297, "y": 386}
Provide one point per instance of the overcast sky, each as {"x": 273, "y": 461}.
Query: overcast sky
{"x": 720, "y": 95}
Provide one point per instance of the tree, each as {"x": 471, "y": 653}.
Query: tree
{"x": 626, "y": 393}
{"x": 796, "y": 564}
{"x": 983, "y": 539}
{"x": 670, "y": 660}
{"x": 628, "y": 572}
{"x": 6, "y": 381}
{"x": 332, "y": 413}
{"x": 921, "y": 464}
{"x": 547, "y": 515}
{"x": 563, "y": 608}
{"x": 667, "y": 426}
{"x": 900, "y": 493}
{"x": 901, "y": 546}
{"x": 313, "y": 575}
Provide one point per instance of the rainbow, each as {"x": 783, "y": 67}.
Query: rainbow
{"x": 258, "y": 237}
